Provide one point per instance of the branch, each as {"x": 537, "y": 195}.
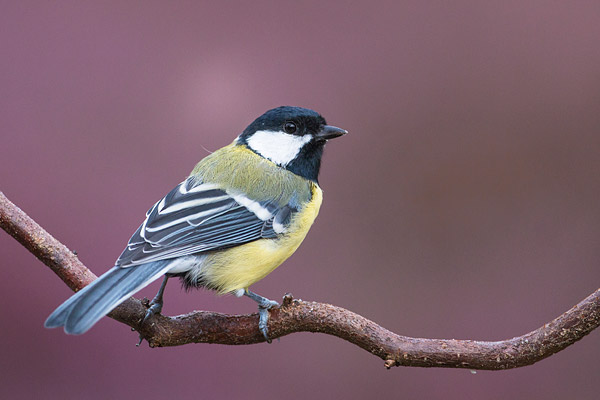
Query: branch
{"x": 307, "y": 316}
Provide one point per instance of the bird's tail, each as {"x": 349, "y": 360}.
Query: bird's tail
{"x": 82, "y": 310}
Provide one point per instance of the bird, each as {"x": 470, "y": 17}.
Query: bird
{"x": 243, "y": 210}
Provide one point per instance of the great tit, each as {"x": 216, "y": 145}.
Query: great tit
{"x": 241, "y": 213}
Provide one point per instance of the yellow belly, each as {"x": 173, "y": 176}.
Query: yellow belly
{"x": 239, "y": 267}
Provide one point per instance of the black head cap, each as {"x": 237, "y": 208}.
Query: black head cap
{"x": 306, "y": 120}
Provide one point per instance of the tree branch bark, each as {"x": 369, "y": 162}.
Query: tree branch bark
{"x": 307, "y": 316}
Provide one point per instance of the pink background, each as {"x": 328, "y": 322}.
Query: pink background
{"x": 463, "y": 203}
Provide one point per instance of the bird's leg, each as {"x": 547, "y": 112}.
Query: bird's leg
{"x": 264, "y": 305}
{"x": 155, "y": 305}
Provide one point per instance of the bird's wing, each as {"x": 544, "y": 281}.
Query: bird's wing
{"x": 195, "y": 218}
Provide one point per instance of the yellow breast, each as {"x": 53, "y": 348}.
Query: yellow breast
{"x": 241, "y": 266}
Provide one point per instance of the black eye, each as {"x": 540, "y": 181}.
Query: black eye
{"x": 289, "y": 127}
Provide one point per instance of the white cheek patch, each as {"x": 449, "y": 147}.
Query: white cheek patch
{"x": 277, "y": 146}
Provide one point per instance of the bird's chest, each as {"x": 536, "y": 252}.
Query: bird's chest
{"x": 241, "y": 266}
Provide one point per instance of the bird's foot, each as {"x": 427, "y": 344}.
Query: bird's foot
{"x": 154, "y": 307}
{"x": 264, "y": 305}
{"x": 263, "y": 317}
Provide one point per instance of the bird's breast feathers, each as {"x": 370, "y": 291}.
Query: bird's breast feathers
{"x": 239, "y": 267}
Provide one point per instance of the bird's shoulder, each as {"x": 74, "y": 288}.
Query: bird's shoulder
{"x": 238, "y": 170}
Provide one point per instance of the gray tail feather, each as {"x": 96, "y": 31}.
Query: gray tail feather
{"x": 82, "y": 310}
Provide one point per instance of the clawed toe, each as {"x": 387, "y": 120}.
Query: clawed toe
{"x": 264, "y": 305}
{"x": 263, "y": 320}
{"x": 155, "y": 308}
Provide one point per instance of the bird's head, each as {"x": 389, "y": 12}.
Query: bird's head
{"x": 291, "y": 137}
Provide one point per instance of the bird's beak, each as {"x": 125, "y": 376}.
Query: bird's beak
{"x": 330, "y": 132}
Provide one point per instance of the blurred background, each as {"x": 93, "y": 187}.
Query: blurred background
{"x": 463, "y": 203}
